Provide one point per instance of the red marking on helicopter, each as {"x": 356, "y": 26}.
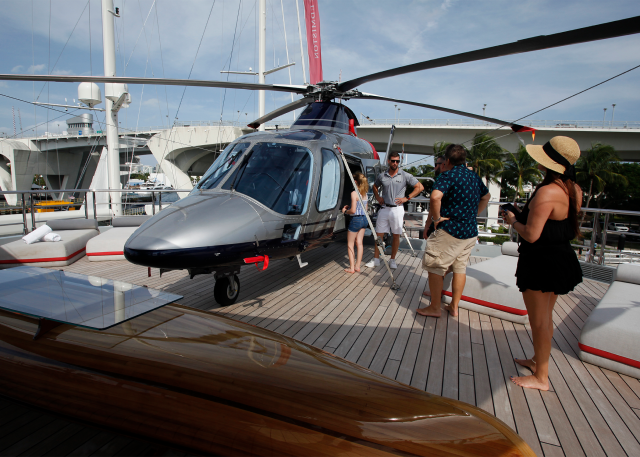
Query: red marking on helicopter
{"x": 521, "y": 128}
{"x": 257, "y": 260}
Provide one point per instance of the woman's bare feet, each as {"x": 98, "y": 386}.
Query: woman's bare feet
{"x": 453, "y": 310}
{"x": 357, "y": 269}
{"x": 429, "y": 311}
{"x": 349, "y": 270}
{"x": 527, "y": 363}
{"x": 530, "y": 382}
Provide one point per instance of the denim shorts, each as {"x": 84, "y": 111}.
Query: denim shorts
{"x": 357, "y": 223}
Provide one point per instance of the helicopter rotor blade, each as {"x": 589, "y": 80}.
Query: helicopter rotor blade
{"x": 279, "y": 112}
{"x": 583, "y": 35}
{"x": 514, "y": 127}
{"x": 156, "y": 81}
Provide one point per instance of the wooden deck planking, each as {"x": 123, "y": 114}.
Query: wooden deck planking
{"x": 589, "y": 411}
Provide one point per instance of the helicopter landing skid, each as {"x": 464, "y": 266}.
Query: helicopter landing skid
{"x": 300, "y": 262}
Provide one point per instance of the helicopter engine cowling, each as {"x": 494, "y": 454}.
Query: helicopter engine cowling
{"x": 204, "y": 230}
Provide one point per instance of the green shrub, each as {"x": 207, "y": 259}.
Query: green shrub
{"x": 494, "y": 239}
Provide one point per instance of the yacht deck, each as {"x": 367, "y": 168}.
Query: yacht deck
{"x": 589, "y": 411}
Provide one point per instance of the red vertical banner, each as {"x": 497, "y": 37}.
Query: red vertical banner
{"x": 312, "y": 18}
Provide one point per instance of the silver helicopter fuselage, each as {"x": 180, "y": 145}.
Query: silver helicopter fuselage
{"x": 274, "y": 193}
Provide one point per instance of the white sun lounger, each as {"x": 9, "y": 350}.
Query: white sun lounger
{"x": 74, "y": 233}
{"x": 610, "y": 337}
{"x": 491, "y": 287}
{"x": 109, "y": 245}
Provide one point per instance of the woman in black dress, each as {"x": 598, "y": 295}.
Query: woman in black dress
{"x": 547, "y": 265}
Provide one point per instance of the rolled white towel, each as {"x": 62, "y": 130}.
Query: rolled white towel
{"x": 51, "y": 237}
{"x": 37, "y": 234}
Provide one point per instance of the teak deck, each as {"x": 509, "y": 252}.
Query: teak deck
{"x": 589, "y": 411}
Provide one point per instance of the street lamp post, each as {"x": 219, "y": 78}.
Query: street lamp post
{"x": 605, "y": 114}
{"x": 398, "y": 117}
{"x": 395, "y": 112}
{"x": 613, "y": 112}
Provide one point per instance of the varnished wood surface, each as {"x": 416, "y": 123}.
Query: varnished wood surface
{"x": 590, "y": 412}
{"x": 219, "y": 386}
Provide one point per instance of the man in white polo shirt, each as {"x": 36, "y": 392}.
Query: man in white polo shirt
{"x": 389, "y": 189}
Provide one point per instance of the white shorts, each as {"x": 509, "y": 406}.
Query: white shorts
{"x": 390, "y": 220}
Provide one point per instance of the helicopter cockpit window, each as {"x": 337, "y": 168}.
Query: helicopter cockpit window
{"x": 278, "y": 175}
{"x": 329, "y": 181}
{"x": 225, "y": 161}
{"x": 323, "y": 115}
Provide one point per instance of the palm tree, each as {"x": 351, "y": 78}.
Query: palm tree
{"x": 485, "y": 156}
{"x": 520, "y": 169}
{"x": 596, "y": 168}
{"x": 439, "y": 147}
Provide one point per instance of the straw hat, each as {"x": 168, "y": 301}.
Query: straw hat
{"x": 557, "y": 154}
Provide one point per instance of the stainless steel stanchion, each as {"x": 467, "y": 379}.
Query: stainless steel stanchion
{"x": 24, "y": 216}
{"x": 33, "y": 214}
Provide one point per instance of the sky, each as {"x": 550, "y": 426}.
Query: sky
{"x": 198, "y": 38}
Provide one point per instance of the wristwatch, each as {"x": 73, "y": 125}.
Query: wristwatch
{"x": 408, "y": 198}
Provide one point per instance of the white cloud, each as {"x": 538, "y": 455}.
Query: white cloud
{"x": 36, "y": 68}
{"x": 16, "y": 69}
{"x": 150, "y": 102}
{"x": 62, "y": 72}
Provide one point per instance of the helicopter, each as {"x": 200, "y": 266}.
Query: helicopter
{"x": 276, "y": 194}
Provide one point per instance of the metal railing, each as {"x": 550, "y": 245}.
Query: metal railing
{"x": 28, "y": 205}
{"x": 595, "y": 252}
{"x": 549, "y": 124}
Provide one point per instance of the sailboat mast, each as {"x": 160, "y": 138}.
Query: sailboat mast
{"x": 304, "y": 75}
{"x": 262, "y": 51}
{"x": 113, "y": 155}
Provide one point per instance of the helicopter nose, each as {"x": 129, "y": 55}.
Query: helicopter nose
{"x": 198, "y": 231}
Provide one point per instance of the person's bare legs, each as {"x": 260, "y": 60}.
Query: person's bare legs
{"x": 359, "y": 238}
{"x": 540, "y": 308}
{"x": 395, "y": 245}
{"x": 457, "y": 286}
{"x": 376, "y": 252}
{"x": 427, "y": 293}
{"x": 435, "y": 286}
{"x": 531, "y": 363}
{"x": 351, "y": 238}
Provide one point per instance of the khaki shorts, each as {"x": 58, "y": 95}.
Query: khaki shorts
{"x": 445, "y": 252}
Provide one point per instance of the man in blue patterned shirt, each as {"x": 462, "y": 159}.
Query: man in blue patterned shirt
{"x": 457, "y": 198}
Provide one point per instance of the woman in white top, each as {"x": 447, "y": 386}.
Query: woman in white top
{"x": 358, "y": 221}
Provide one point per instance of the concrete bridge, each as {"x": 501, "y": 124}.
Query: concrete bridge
{"x": 189, "y": 148}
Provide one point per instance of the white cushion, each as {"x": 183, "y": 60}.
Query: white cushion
{"x": 44, "y": 254}
{"x": 614, "y": 326}
{"x": 510, "y": 248}
{"x": 491, "y": 289}
{"x": 628, "y": 272}
{"x": 109, "y": 245}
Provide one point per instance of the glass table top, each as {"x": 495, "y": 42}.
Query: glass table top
{"x": 71, "y": 298}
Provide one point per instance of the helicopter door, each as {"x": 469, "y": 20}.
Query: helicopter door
{"x": 347, "y": 188}
{"x": 320, "y": 224}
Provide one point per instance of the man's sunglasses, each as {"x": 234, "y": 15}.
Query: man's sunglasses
{"x": 394, "y": 161}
